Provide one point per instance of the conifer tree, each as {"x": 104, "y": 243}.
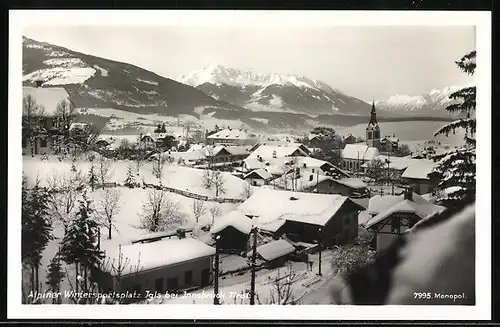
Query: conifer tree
{"x": 456, "y": 169}
{"x": 92, "y": 177}
{"x": 36, "y": 228}
{"x": 55, "y": 275}
{"x": 130, "y": 178}
{"x": 80, "y": 244}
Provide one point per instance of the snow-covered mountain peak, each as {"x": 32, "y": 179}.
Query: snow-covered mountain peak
{"x": 220, "y": 74}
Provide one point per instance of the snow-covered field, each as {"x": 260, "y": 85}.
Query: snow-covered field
{"x": 178, "y": 177}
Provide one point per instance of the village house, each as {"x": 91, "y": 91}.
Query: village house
{"x": 389, "y": 144}
{"x": 40, "y": 134}
{"x": 355, "y": 155}
{"x": 266, "y": 152}
{"x": 233, "y": 229}
{"x": 258, "y": 177}
{"x": 232, "y": 136}
{"x": 274, "y": 253}
{"x": 166, "y": 265}
{"x": 417, "y": 177}
{"x": 392, "y": 215}
{"x": 349, "y": 139}
{"x": 305, "y": 215}
{"x": 227, "y": 154}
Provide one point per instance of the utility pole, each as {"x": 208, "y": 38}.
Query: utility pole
{"x": 254, "y": 256}
{"x": 320, "y": 232}
{"x": 317, "y": 181}
{"x": 216, "y": 271}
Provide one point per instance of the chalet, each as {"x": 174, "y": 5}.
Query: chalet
{"x": 165, "y": 265}
{"x": 266, "y": 152}
{"x": 232, "y": 136}
{"x": 41, "y": 132}
{"x": 355, "y": 155}
{"x": 392, "y": 215}
{"x": 417, "y": 176}
{"x": 147, "y": 141}
{"x": 305, "y": 214}
{"x": 389, "y": 144}
{"x": 227, "y": 154}
{"x": 233, "y": 229}
{"x": 258, "y": 177}
{"x": 349, "y": 139}
{"x": 274, "y": 253}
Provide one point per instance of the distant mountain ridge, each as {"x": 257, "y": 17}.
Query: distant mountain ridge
{"x": 273, "y": 92}
{"x": 101, "y": 83}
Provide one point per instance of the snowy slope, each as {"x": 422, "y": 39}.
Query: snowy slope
{"x": 101, "y": 83}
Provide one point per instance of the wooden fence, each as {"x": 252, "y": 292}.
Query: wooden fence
{"x": 193, "y": 195}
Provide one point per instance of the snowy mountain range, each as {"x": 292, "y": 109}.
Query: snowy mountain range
{"x": 431, "y": 104}
{"x": 273, "y": 92}
{"x": 94, "y": 82}
{"x": 261, "y": 101}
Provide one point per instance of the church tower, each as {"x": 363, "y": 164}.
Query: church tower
{"x": 373, "y": 130}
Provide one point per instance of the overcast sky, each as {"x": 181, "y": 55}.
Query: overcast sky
{"x": 364, "y": 62}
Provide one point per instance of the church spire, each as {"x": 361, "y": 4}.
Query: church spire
{"x": 373, "y": 115}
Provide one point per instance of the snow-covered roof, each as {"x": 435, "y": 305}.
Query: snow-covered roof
{"x": 359, "y": 151}
{"x": 379, "y": 203}
{"x": 355, "y": 183}
{"x": 406, "y": 206}
{"x": 160, "y": 253}
{"x": 236, "y": 150}
{"x": 268, "y": 205}
{"x": 304, "y": 182}
{"x": 235, "y": 219}
{"x": 273, "y": 226}
{"x": 196, "y": 147}
{"x": 275, "y": 249}
{"x": 271, "y": 151}
{"x": 419, "y": 169}
{"x": 392, "y": 139}
{"x": 260, "y": 172}
{"x": 231, "y": 134}
{"x": 48, "y": 97}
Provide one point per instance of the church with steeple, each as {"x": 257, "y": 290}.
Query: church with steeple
{"x": 373, "y": 130}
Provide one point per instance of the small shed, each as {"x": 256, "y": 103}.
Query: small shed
{"x": 234, "y": 229}
{"x": 258, "y": 177}
{"x": 275, "y": 253}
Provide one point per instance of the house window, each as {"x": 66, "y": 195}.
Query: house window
{"x": 172, "y": 283}
{"x": 43, "y": 143}
{"x": 254, "y": 183}
{"x": 313, "y": 170}
{"x": 188, "y": 277}
{"x": 395, "y": 223}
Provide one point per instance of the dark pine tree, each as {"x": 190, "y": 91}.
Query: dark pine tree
{"x": 36, "y": 229}
{"x": 92, "y": 177}
{"x": 80, "y": 244}
{"x": 55, "y": 275}
{"x": 130, "y": 178}
{"x": 456, "y": 170}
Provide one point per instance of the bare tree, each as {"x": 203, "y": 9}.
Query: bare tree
{"x": 247, "y": 191}
{"x": 31, "y": 123}
{"x": 347, "y": 258}
{"x": 158, "y": 168}
{"x": 119, "y": 267}
{"x": 161, "y": 213}
{"x": 108, "y": 207}
{"x": 218, "y": 183}
{"x": 64, "y": 190}
{"x": 199, "y": 209}
{"x": 105, "y": 170}
{"x": 66, "y": 114}
{"x": 215, "y": 211}
{"x": 282, "y": 291}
